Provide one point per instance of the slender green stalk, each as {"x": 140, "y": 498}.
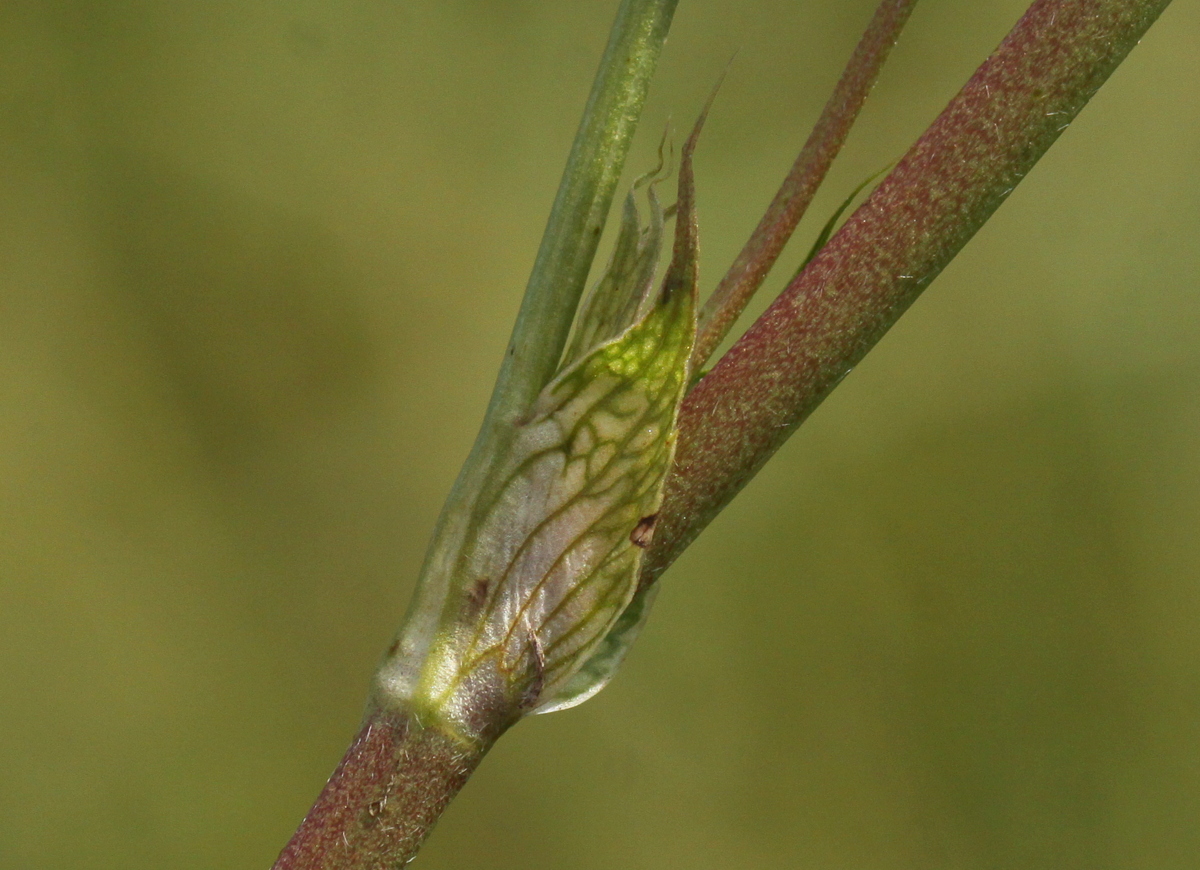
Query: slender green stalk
{"x": 750, "y": 268}
{"x": 585, "y": 195}
{"x": 951, "y": 181}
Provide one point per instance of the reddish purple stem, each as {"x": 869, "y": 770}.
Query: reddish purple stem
{"x": 750, "y": 268}
{"x": 383, "y": 799}
{"x": 980, "y": 147}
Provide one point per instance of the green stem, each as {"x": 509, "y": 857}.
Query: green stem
{"x": 585, "y": 195}
{"x": 948, "y": 184}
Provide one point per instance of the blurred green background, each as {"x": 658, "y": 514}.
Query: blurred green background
{"x": 258, "y": 262}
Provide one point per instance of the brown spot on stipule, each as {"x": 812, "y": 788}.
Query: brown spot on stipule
{"x": 643, "y": 532}
{"x": 477, "y": 596}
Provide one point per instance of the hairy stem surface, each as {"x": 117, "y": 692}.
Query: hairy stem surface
{"x": 382, "y": 801}
{"x": 956, "y": 175}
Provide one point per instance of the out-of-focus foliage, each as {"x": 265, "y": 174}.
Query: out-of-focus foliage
{"x": 258, "y": 262}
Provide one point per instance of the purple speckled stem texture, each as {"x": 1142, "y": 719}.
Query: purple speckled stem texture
{"x": 990, "y": 135}
{"x": 382, "y": 801}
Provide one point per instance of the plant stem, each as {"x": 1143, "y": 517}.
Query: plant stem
{"x": 956, "y": 175}
{"x": 398, "y": 776}
{"x": 750, "y": 268}
{"x": 382, "y": 801}
{"x": 581, "y": 207}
